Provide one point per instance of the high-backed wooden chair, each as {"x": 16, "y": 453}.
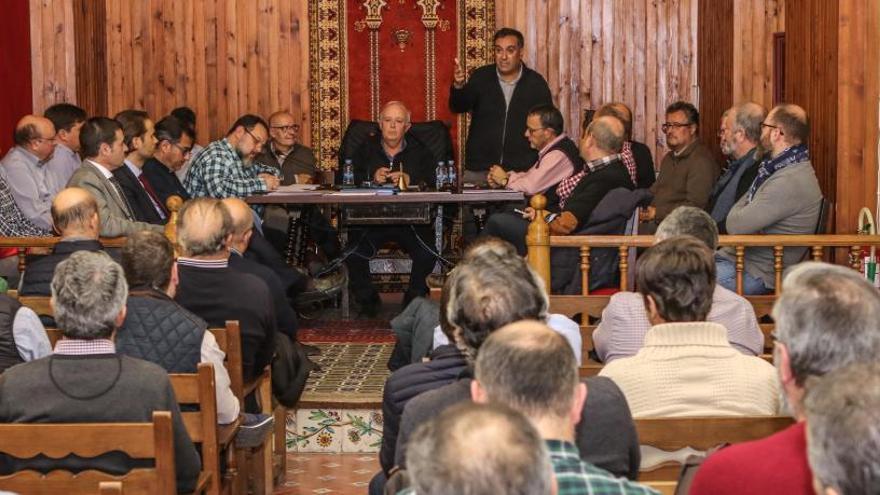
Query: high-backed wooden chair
{"x": 110, "y": 488}
{"x": 138, "y": 440}
{"x": 40, "y": 304}
{"x": 198, "y": 389}
{"x": 700, "y": 434}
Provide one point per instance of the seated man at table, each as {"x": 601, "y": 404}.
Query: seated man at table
{"x": 384, "y": 159}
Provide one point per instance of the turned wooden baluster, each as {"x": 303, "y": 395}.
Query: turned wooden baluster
{"x": 740, "y": 264}
{"x": 585, "y": 270}
{"x": 818, "y": 253}
{"x": 538, "y": 240}
{"x": 624, "y": 266}
{"x": 22, "y": 259}
{"x": 855, "y": 257}
{"x": 174, "y": 204}
{"x": 777, "y": 267}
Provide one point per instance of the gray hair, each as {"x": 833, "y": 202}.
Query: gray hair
{"x": 202, "y": 227}
{"x": 512, "y": 369}
{"x": 398, "y": 104}
{"x": 88, "y": 292}
{"x": 605, "y": 135}
{"x": 692, "y": 221}
{"x": 488, "y": 292}
{"x": 478, "y": 450}
{"x": 748, "y": 117}
{"x": 843, "y": 437}
{"x": 828, "y": 316}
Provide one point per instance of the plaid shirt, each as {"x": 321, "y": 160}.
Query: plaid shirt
{"x": 566, "y": 187}
{"x": 218, "y": 172}
{"x": 629, "y": 160}
{"x": 576, "y": 477}
{"x": 77, "y": 347}
{"x": 13, "y": 223}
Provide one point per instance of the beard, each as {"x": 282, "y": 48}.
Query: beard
{"x": 246, "y": 160}
{"x": 727, "y": 148}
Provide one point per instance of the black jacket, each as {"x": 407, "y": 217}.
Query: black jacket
{"x": 39, "y": 272}
{"x": 645, "y": 174}
{"x": 496, "y": 134}
{"x": 416, "y": 159}
{"x": 8, "y": 351}
{"x": 137, "y": 197}
{"x": 221, "y": 294}
{"x": 285, "y": 318}
{"x": 592, "y": 188}
{"x": 159, "y": 330}
{"x": 262, "y": 251}
{"x": 446, "y": 364}
{"x": 164, "y": 181}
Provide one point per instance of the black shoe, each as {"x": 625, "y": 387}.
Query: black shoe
{"x": 312, "y": 366}
{"x": 310, "y": 350}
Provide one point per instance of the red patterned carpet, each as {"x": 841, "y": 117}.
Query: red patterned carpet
{"x": 347, "y": 331}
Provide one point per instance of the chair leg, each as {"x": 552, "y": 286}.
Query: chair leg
{"x": 280, "y": 443}
{"x": 261, "y": 469}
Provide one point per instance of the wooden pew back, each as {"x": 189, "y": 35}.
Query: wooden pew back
{"x": 198, "y": 389}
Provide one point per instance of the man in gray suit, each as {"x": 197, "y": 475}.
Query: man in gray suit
{"x": 104, "y": 151}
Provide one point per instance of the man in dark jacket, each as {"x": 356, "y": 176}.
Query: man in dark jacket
{"x": 75, "y": 217}
{"x": 174, "y": 142}
{"x": 140, "y": 139}
{"x": 383, "y": 159}
{"x": 499, "y": 97}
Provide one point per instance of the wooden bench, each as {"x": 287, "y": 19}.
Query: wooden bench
{"x": 137, "y": 440}
{"x": 701, "y": 434}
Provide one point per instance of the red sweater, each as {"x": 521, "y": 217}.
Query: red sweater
{"x": 773, "y": 465}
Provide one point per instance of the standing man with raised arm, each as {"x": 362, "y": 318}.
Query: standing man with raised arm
{"x": 498, "y": 97}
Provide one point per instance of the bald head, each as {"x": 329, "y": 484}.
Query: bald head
{"x": 203, "y": 228}
{"x": 792, "y": 119}
{"x": 284, "y": 130}
{"x": 603, "y": 137}
{"x": 75, "y": 213}
{"x": 621, "y": 112}
{"x": 242, "y": 222}
{"x": 36, "y": 134}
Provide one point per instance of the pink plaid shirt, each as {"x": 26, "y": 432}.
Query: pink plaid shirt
{"x": 78, "y": 347}
{"x": 566, "y": 187}
{"x": 629, "y": 160}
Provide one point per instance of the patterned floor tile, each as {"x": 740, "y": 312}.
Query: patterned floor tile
{"x": 328, "y": 473}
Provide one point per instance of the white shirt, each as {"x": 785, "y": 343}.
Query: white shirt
{"x": 227, "y": 404}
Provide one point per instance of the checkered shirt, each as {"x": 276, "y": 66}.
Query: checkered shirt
{"x": 629, "y": 160}
{"x": 13, "y": 223}
{"x": 576, "y": 477}
{"x": 566, "y": 187}
{"x": 218, "y": 172}
{"x": 77, "y": 347}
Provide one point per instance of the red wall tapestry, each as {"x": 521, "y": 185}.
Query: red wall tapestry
{"x": 15, "y": 65}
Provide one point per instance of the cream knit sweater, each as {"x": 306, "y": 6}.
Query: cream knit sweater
{"x": 690, "y": 369}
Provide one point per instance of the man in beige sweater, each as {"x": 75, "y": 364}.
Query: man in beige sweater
{"x": 687, "y": 367}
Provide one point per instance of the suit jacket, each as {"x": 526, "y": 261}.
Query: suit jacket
{"x": 164, "y": 181}
{"x": 115, "y": 218}
{"x": 137, "y": 197}
{"x": 284, "y": 314}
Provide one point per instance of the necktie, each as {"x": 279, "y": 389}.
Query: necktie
{"x": 160, "y": 209}
{"x": 128, "y": 211}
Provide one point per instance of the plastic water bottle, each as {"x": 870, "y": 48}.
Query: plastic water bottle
{"x": 348, "y": 173}
{"x": 441, "y": 175}
{"x": 452, "y": 176}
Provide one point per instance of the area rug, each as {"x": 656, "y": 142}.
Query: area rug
{"x": 346, "y": 331}
{"x": 351, "y": 375}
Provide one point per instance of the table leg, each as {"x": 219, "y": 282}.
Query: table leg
{"x": 438, "y": 236}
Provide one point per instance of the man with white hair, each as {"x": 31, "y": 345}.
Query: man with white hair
{"x": 86, "y": 380}
{"x": 827, "y": 317}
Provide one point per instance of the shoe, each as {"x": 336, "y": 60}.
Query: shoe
{"x": 254, "y": 430}
{"x": 322, "y": 289}
{"x": 312, "y": 366}
{"x": 310, "y": 350}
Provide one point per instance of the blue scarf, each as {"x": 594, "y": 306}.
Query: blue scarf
{"x": 793, "y": 154}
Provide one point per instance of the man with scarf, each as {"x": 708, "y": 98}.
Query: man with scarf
{"x": 783, "y": 199}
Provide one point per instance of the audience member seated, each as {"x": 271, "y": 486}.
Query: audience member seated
{"x": 174, "y": 144}
{"x": 783, "y": 199}
{"x": 226, "y": 168}
{"x": 85, "y": 380}
{"x": 558, "y": 157}
{"x": 486, "y": 294}
{"x": 22, "y": 336}
{"x": 687, "y": 367}
{"x": 159, "y": 330}
{"x": 104, "y": 149}
{"x": 687, "y": 171}
{"x": 25, "y": 168}
{"x": 381, "y": 160}
{"x": 68, "y": 120}
{"x": 140, "y": 139}
{"x": 212, "y": 290}
{"x": 739, "y": 136}
{"x": 13, "y": 223}
{"x": 826, "y": 318}
{"x": 842, "y": 436}
{"x": 479, "y": 450}
{"x": 512, "y": 370}
{"x": 621, "y": 332}
{"x": 635, "y": 156}
{"x": 579, "y": 194}
{"x": 75, "y": 217}
{"x": 187, "y": 118}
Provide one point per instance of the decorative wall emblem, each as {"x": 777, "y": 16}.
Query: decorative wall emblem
{"x": 401, "y": 38}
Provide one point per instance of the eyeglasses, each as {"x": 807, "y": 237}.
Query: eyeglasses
{"x": 50, "y": 138}
{"x": 185, "y": 151}
{"x": 771, "y": 126}
{"x": 257, "y": 140}
{"x": 286, "y": 128}
{"x": 532, "y": 131}
{"x": 674, "y": 125}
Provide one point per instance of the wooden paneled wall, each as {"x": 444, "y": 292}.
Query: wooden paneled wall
{"x": 715, "y": 40}
{"x": 223, "y": 58}
{"x": 641, "y": 52}
{"x": 754, "y": 23}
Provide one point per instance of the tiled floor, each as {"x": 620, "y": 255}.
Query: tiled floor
{"x": 309, "y": 474}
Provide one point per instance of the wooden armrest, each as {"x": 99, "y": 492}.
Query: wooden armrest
{"x": 226, "y": 433}
{"x": 252, "y": 385}
{"x": 204, "y": 482}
